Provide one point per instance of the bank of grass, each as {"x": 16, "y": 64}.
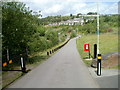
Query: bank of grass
{"x": 39, "y": 57}
{"x": 108, "y": 44}
{"x": 34, "y": 60}
{"x": 87, "y": 62}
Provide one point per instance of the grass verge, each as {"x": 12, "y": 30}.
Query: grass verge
{"x": 108, "y": 44}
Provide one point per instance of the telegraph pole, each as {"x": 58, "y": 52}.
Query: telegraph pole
{"x": 98, "y": 33}
{"x": 99, "y": 57}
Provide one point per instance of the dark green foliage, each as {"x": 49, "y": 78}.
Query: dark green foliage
{"x": 41, "y": 30}
{"x": 71, "y": 15}
{"x": 18, "y": 26}
{"x": 22, "y": 31}
{"x": 53, "y": 37}
{"x": 50, "y": 19}
{"x": 38, "y": 44}
{"x": 53, "y": 19}
{"x": 108, "y": 22}
{"x": 78, "y": 15}
{"x": 92, "y": 13}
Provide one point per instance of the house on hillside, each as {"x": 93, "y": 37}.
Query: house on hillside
{"x": 89, "y": 19}
{"x": 75, "y": 21}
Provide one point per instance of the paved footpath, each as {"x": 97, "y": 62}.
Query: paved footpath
{"x": 65, "y": 69}
{"x": 109, "y": 77}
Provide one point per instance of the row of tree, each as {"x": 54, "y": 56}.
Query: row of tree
{"x": 53, "y": 19}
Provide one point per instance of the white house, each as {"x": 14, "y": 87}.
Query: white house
{"x": 75, "y": 21}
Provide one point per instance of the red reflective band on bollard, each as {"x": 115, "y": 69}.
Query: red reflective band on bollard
{"x": 86, "y": 47}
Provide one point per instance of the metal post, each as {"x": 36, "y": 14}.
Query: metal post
{"x": 95, "y": 51}
{"x": 77, "y": 31}
{"x": 99, "y": 65}
{"x": 59, "y": 37}
{"x": 23, "y": 64}
{"x": 7, "y": 55}
{"x": 89, "y": 54}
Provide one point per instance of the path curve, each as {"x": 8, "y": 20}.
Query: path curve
{"x": 65, "y": 69}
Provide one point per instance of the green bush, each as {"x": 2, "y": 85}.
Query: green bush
{"x": 41, "y": 30}
{"x": 52, "y": 36}
{"x": 38, "y": 44}
{"x": 73, "y": 34}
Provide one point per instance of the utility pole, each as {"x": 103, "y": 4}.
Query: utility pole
{"x": 98, "y": 33}
{"x": 99, "y": 57}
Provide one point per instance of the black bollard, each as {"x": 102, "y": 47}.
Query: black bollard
{"x": 95, "y": 51}
{"x": 52, "y": 51}
{"x": 99, "y": 65}
{"x": 48, "y": 53}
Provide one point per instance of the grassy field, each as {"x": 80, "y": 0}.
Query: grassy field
{"x": 108, "y": 44}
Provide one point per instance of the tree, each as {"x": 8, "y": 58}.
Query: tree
{"x": 18, "y": 26}
{"x": 92, "y": 13}
{"x": 53, "y": 37}
{"x": 71, "y": 15}
{"x": 78, "y": 15}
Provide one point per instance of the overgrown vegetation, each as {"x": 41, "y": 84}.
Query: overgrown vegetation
{"x": 22, "y": 34}
{"x": 25, "y": 33}
{"x": 18, "y": 26}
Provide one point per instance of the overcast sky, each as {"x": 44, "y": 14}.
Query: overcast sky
{"x": 67, "y": 7}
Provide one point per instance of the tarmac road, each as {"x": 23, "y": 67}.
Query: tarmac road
{"x": 65, "y": 69}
